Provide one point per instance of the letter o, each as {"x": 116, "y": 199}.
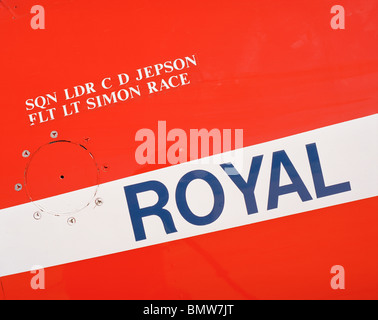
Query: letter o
{"x": 182, "y": 64}
{"x": 119, "y": 96}
{"x": 182, "y": 204}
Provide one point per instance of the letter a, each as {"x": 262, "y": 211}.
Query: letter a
{"x": 338, "y": 280}
{"x": 38, "y": 281}
{"x": 38, "y": 21}
{"x": 338, "y": 21}
{"x": 145, "y": 153}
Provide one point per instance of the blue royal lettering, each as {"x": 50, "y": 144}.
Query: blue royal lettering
{"x": 317, "y": 175}
{"x": 247, "y": 187}
{"x": 182, "y": 204}
{"x": 297, "y": 185}
{"x": 137, "y": 213}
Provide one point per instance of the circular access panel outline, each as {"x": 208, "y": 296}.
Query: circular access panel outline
{"x": 56, "y": 169}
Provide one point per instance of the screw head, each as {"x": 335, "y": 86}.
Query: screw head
{"x": 71, "y": 221}
{"x": 54, "y": 134}
{"x": 26, "y": 153}
{"x": 99, "y": 202}
{"x": 18, "y": 187}
{"x": 37, "y": 215}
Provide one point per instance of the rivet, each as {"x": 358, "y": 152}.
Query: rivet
{"x": 71, "y": 221}
{"x": 26, "y": 153}
{"x": 37, "y": 215}
{"x": 99, "y": 202}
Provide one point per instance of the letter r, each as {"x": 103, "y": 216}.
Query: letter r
{"x": 137, "y": 213}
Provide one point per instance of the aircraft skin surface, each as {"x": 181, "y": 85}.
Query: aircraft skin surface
{"x": 188, "y": 150}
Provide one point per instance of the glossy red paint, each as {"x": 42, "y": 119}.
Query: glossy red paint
{"x": 272, "y": 68}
